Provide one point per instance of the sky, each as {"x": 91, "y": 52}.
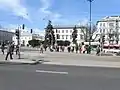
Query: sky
{"x": 36, "y": 13}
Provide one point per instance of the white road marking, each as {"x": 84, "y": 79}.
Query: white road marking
{"x": 55, "y": 72}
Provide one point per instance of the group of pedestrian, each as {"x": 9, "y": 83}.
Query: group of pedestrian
{"x": 59, "y": 48}
{"x": 10, "y": 49}
{"x": 78, "y": 48}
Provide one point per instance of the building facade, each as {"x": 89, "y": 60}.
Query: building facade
{"x": 110, "y": 28}
{"x": 65, "y": 33}
{"x": 26, "y": 36}
{"x": 5, "y": 36}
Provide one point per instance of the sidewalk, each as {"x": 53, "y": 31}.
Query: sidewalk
{"x": 65, "y": 58}
{"x": 25, "y": 59}
{"x": 60, "y": 58}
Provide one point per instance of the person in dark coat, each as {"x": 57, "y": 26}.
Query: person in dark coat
{"x": 76, "y": 49}
{"x": 3, "y": 47}
{"x": 98, "y": 50}
{"x": 68, "y": 49}
{"x": 17, "y": 49}
{"x": 9, "y": 51}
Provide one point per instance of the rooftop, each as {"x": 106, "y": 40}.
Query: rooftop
{"x": 110, "y": 18}
{"x": 66, "y": 26}
{"x": 5, "y": 30}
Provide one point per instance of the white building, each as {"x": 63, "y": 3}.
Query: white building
{"x": 25, "y": 36}
{"x": 110, "y": 27}
{"x": 65, "y": 33}
{"x": 5, "y": 35}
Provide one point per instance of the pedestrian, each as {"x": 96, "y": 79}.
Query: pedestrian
{"x": 41, "y": 48}
{"x": 3, "y": 47}
{"x": 45, "y": 47}
{"x": 9, "y": 51}
{"x": 68, "y": 49}
{"x": 76, "y": 48}
{"x": 72, "y": 49}
{"x": 98, "y": 50}
{"x": 17, "y": 49}
{"x": 13, "y": 47}
{"x": 83, "y": 49}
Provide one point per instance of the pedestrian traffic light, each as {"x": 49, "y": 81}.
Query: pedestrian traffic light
{"x": 103, "y": 38}
{"x": 23, "y": 26}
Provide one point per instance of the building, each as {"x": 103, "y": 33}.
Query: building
{"x": 110, "y": 28}
{"x": 5, "y": 36}
{"x": 25, "y": 36}
{"x": 65, "y": 33}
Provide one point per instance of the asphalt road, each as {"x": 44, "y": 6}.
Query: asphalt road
{"x": 52, "y": 77}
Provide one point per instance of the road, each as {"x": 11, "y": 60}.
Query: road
{"x": 53, "y": 77}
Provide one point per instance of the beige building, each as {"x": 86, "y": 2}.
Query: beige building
{"x": 110, "y": 27}
{"x": 5, "y": 35}
{"x": 65, "y": 33}
{"x": 25, "y": 36}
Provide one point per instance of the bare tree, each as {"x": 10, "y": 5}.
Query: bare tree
{"x": 86, "y": 33}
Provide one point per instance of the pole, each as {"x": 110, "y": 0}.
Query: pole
{"x": 101, "y": 43}
{"x": 90, "y": 26}
{"x": 19, "y": 43}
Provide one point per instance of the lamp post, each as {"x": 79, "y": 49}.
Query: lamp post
{"x": 90, "y": 25}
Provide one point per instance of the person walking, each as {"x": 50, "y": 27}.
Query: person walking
{"x": 76, "y": 48}
{"x": 9, "y": 51}
{"x": 3, "y": 47}
{"x": 17, "y": 49}
{"x": 13, "y": 47}
{"x": 41, "y": 48}
{"x": 98, "y": 50}
{"x": 68, "y": 49}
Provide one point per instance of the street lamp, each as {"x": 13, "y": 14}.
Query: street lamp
{"x": 90, "y": 25}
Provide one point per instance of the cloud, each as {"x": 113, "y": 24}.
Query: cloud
{"x": 84, "y": 22}
{"x": 15, "y": 7}
{"x": 48, "y": 14}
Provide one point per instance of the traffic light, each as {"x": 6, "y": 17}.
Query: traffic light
{"x": 103, "y": 38}
{"x": 23, "y": 26}
{"x": 17, "y": 33}
{"x": 31, "y": 31}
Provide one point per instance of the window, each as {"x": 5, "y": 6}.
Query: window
{"x": 66, "y": 31}
{"x": 70, "y": 36}
{"x": 62, "y": 36}
{"x": 104, "y": 24}
{"x": 66, "y": 36}
{"x": 100, "y": 30}
{"x": 58, "y": 36}
{"x": 56, "y": 31}
{"x": 70, "y": 31}
{"x": 111, "y": 24}
{"x": 103, "y": 30}
{"x": 100, "y": 24}
{"x": 81, "y": 37}
{"x": 62, "y": 31}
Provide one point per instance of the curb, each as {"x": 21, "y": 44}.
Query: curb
{"x": 80, "y": 65}
{"x": 19, "y": 62}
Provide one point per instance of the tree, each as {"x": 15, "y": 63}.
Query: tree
{"x": 63, "y": 43}
{"x": 60, "y": 43}
{"x": 66, "y": 43}
{"x": 34, "y": 42}
{"x": 74, "y": 35}
{"x": 49, "y": 35}
{"x": 85, "y": 31}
